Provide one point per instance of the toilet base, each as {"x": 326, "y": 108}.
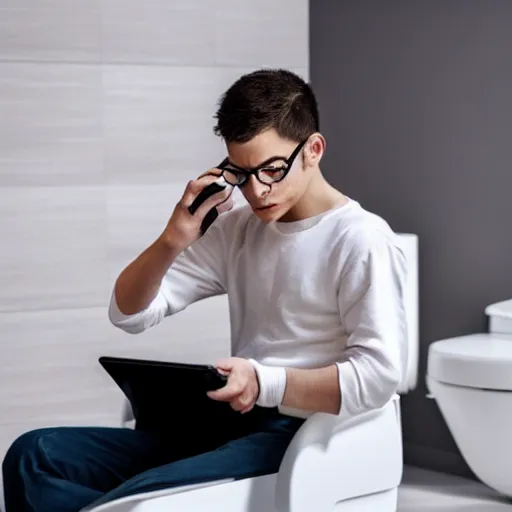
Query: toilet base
{"x": 480, "y": 422}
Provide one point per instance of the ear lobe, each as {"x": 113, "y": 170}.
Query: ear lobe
{"x": 316, "y": 149}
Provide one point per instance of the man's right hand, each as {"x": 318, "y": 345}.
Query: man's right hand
{"x": 183, "y": 228}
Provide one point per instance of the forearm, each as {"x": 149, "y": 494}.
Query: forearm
{"x": 359, "y": 385}
{"x": 139, "y": 282}
{"x": 315, "y": 390}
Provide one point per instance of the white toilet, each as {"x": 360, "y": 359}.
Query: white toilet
{"x": 470, "y": 377}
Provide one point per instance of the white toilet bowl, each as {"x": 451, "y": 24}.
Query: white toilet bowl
{"x": 470, "y": 377}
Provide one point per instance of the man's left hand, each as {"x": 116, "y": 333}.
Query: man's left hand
{"x": 242, "y": 388}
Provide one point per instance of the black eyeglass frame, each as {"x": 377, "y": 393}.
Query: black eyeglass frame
{"x": 246, "y": 173}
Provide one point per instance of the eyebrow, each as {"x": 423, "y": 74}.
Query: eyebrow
{"x": 265, "y": 162}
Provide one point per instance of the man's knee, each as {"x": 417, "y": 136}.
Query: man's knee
{"x": 27, "y": 447}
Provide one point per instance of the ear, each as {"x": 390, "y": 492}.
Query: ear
{"x": 314, "y": 150}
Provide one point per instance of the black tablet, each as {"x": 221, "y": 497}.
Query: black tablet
{"x": 163, "y": 393}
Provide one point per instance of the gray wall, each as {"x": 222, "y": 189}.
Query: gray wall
{"x": 105, "y": 113}
{"x": 416, "y": 105}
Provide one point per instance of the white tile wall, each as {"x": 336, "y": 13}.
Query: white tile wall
{"x": 54, "y": 242}
{"x": 106, "y": 111}
{"x": 50, "y": 124}
{"x": 262, "y": 33}
{"x": 158, "y": 122}
{"x": 177, "y": 32}
{"x": 50, "y": 30}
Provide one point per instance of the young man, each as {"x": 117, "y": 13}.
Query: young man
{"x": 316, "y": 291}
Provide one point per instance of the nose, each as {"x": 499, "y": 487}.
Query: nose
{"x": 256, "y": 188}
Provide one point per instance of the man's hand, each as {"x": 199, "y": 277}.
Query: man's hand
{"x": 183, "y": 228}
{"x": 242, "y": 388}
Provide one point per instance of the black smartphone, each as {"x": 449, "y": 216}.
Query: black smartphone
{"x": 207, "y": 192}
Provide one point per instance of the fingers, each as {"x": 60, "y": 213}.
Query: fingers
{"x": 221, "y": 199}
{"x": 238, "y": 396}
{"x": 217, "y": 200}
{"x": 194, "y": 187}
{"x": 229, "y": 392}
{"x": 243, "y": 403}
{"x": 241, "y": 390}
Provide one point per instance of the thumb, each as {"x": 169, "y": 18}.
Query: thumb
{"x": 225, "y": 364}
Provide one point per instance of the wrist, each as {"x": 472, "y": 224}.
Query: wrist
{"x": 272, "y": 384}
{"x": 171, "y": 243}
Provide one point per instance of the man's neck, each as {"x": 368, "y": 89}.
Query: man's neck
{"x": 319, "y": 198}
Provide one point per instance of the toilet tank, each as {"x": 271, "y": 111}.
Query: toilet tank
{"x": 500, "y": 317}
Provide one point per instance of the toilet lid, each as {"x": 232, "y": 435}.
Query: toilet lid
{"x": 481, "y": 361}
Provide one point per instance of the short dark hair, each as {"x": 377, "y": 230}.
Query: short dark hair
{"x": 265, "y": 99}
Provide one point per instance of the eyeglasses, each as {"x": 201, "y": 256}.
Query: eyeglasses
{"x": 271, "y": 171}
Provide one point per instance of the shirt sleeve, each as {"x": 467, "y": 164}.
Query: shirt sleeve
{"x": 371, "y": 304}
{"x": 197, "y": 273}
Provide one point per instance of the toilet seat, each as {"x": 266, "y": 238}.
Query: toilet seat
{"x": 482, "y": 361}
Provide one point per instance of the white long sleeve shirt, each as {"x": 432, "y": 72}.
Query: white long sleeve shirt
{"x": 305, "y": 294}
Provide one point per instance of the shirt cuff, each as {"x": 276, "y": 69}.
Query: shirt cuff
{"x": 348, "y": 382}
{"x": 140, "y": 321}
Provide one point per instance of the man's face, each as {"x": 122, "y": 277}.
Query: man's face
{"x": 270, "y": 202}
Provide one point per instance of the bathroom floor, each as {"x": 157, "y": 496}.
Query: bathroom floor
{"x": 423, "y": 490}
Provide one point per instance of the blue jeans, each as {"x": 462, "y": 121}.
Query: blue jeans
{"x": 67, "y": 468}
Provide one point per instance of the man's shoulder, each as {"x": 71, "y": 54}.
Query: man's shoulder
{"x": 360, "y": 231}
